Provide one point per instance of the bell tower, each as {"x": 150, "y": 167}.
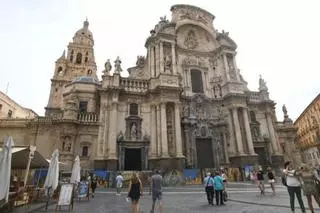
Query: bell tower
{"x": 79, "y": 61}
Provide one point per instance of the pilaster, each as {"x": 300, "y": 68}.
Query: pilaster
{"x": 112, "y": 139}
{"x": 161, "y": 58}
{"x": 159, "y": 144}
{"x": 273, "y": 137}
{"x": 226, "y": 66}
{"x": 174, "y": 61}
{"x": 164, "y": 137}
{"x": 153, "y": 122}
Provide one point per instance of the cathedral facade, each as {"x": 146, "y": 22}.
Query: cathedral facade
{"x": 183, "y": 105}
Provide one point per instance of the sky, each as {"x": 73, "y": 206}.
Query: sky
{"x": 279, "y": 40}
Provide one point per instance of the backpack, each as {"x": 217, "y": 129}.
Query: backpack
{"x": 284, "y": 180}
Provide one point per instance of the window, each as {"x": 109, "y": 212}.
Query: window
{"x": 253, "y": 116}
{"x": 86, "y": 58}
{"x": 83, "y": 105}
{"x": 85, "y": 151}
{"x": 0, "y": 107}
{"x": 196, "y": 81}
{"x": 79, "y": 58}
{"x": 71, "y": 56}
{"x": 89, "y": 73}
{"x": 134, "y": 109}
{"x": 60, "y": 71}
{"x": 9, "y": 113}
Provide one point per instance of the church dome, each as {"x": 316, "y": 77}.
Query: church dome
{"x": 84, "y": 35}
{"x": 86, "y": 80}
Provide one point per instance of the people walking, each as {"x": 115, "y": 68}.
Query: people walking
{"x": 93, "y": 184}
{"x": 156, "y": 189}
{"x": 309, "y": 177}
{"x": 219, "y": 188}
{"x": 135, "y": 192}
{"x": 271, "y": 180}
{"x": 260, "y": 179}
{"x": 208, "y": 185}
{"x": 119, "y": 181}
{"x": 294, "y": 186}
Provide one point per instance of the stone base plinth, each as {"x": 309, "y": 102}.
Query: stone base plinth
{"x": 277, "y": 162}
{"x": 243, "y": 160}
{"x": 165, "y": 164}
{"x": 112, "y": 164}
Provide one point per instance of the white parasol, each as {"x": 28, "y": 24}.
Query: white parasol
{"x": 53, "y": 172}
{"x": 5, "y": 168}
{"x": 75, "y": 176}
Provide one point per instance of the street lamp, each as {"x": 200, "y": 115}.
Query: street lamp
{"x": 31, "y": 156}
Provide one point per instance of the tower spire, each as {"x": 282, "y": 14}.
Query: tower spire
{"x": 86, "y": 24}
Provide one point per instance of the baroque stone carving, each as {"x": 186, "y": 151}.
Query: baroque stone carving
{"x": 191, "y": 40}
{"x": 134, "y": 132}
{"x": 117, "y": 65}
{"x": 262, "y": 85}
{"x": 107, "y": 67}
{"x": 167, "y": 63}
{"x": 140, "y": 61}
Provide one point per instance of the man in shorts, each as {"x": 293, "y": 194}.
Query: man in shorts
{"x": 119, "y": 180}
{"x": 156, "y": 185}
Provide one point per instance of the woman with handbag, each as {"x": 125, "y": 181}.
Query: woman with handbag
{"x": 135, "y": 192}
{"x": 309, "y": 177}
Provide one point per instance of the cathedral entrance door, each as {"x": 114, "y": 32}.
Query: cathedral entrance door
{"x": 204, "y": 153}
{"x": 132, "y": 159}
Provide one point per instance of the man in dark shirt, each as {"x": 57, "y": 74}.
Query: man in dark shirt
{"x": 260, "y": 179}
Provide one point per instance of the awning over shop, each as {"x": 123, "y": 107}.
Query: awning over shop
{"x": 20, "y": 157}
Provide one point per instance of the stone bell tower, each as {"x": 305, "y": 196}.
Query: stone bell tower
{"x": 79, "y": 61}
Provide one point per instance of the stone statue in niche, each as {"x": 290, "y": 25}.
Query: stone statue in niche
{"x": 191, "y": 40}
{"x": 117, "y": 65}
{"x": 107, "y": 67}
{"x": 167, "y": 63}
{"x": 133, "y": 132}
{"x": 66, "y": 145}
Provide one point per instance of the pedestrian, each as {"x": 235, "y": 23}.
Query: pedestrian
{"x": 119, "y": 181}
{"x": 93, "y": 184}
{"x": 135, "y": 192}
{"x": 219, "y": 188}
{"x": 309, "y": 177}
{"x": 208, "y": 185}
{"x": 293, "y": 185}
{"x": 156, "y": 185}
{"x": 260, "y": 179}
{"x": 271, "y": 180}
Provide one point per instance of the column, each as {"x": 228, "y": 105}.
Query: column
{"x": 159, "y": 144}
{"x": 225, "y": 147}
{"x": 174, "y": 63}
{"x": 233, "y": 145}
{"x": 248, "y": 131}
{"x": 153, "y": 123}
{"x": 112, "y": 140}
{"x": 161, "y": 58}
{"x": 235, "y": 67}
{"x": 152, "y": 57}
{"x": 156, "y": 54}
{"x": 177, "y": 121}
{"x": 237, "y": 130}
{"x": 226, "y": 66}
{"x": 164, "y": 138}
{"x": 272, "y": 134}
{"x": 149, "y": 60}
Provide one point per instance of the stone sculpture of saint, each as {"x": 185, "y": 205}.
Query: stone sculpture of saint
{"x": 117, "y": 65}
{"x": 262, "y": 84}
{"x": 134, "y": 131}
{"x": 107, "y": 67}
{"x": 168, "y": 63}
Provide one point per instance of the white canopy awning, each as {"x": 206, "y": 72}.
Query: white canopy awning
{"x": 20, "y": 157}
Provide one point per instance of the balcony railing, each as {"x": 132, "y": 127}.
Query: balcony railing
{"x": 88, "y": 117}
{"x": 134, "y": 85}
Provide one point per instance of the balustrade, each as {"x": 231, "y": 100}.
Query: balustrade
{"x": 88, "y": 117}
{"x": 134, "y": 85}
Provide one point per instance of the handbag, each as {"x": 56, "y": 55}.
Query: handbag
{"x": 225, "y": 196}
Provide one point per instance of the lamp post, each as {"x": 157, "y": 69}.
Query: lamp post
{"x": 31, "y": 156}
